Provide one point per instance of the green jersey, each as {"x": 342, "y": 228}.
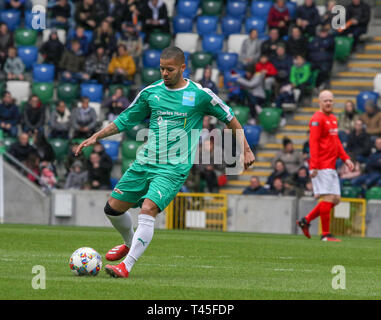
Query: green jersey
{"x": 176, "y": 117}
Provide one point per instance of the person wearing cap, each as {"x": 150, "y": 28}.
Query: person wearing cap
{"x": 77, "y": 176}
{"x": 52, "y": 49}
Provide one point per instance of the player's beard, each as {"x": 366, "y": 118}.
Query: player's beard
{"x": 174, "y": 81}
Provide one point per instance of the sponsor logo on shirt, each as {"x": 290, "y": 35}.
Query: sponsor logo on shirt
{"x": 189, "y": 98}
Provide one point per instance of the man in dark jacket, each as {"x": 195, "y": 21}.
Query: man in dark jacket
{"x": 269, "y": 46}
{"x": 307, "y": 17}
{"x": 255, "y": 187}
{"x": 9, "y": 115}
{"x": 297, "y": 43}
{"x": 155, "y": 16}
{"x": 33, "y": 118}
{"x": 72, "y": 63}
{"x": 52, "y": 49}
{"x": 98, "y": 175}
{"x": 359, "y": 143}
{"x": 282, "y": 62}
{"x": 21, "y": 148}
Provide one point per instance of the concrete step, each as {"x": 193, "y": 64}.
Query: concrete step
{"x": 278, "y": 146}
{"x": 293, "y": 128}
{"x": 351, "y": 84}
{"x": 366, "y": 66}
{"x": 231, "y": 191}
{"x": 354, "y": 75}
{"x": 301, "y": 137}
{"x": 367, "y": 56}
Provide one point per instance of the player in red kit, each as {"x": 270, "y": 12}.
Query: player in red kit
{"x": 325, "y": 149}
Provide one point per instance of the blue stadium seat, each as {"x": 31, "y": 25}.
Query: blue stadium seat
{"x": 260, "y": 9}
{"x": 206, "y": 25}
{"x": 255, "y": 23}
{"x": 29, "y": 16}
{"x": 88, "y": 34}
{"x": 212, "y": 43}
{"x": 227, "y": 61}
{"x": 252, "y": 134}
{"x": 292, "y": 6}
{"x": 43, "y": 72}
{"x": 151, "y": 58}
{"x": 113, "y": 182}
{"x": 187, "y": 8}
{"x": 28, "y": 55}
{"x": 230, "y": 25}
{"x": 187, "y": 73}
{"x": 363, "y": 97}
{"x": 94, "y": 91}
{"x": 187, "y": 56}
{"x": 11, "y": 18}
{"x": 228, "y": 76}
{"x": 182, "y": 24}
{"x": 236, "y": 9}
{"x": 111, "y": 148}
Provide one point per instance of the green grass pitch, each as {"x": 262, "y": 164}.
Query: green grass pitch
{"x": 190, "y": 265}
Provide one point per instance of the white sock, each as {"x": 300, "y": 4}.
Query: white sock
{"x": 142, "y": 238}
{"x": 123, "y": 224}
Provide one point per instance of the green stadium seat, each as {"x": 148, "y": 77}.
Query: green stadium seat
{"x": 201, "y": 59}
{"x": 60, "y": 148}
{"x": 86, "y": 150}
{"x": 269, "y": 118}
{"x": 133, "y": 131}
{"x": 150, "y": 75}
{"x": 113, "y": 87}
{"x": 129, "y": 149}
{"x": 211, "y": 7}
{"x": 26, "y": 37}
{"x": 373, "y": 193}
{"x": 343, "y": 47}
{"x": 8, "y": 141}
{"x": 2, "y": 88}
{"x": 126, "y": 163}
{"x": 67, "y": 92}
{"x": 350, "y": 192}
{"x": 242, "y": 113}
{"x": 158, "y": 40}
{"x": 44, "y": 90}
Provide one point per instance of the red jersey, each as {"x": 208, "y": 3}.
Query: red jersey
{"x": 325, "y": 145}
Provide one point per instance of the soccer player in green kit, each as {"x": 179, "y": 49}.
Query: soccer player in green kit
{"x": 176, "y": 107}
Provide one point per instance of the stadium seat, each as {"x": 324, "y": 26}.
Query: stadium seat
{"x": 44, "y": 90}
{"x": 67, "y": 92}
{"x": 187, "y": 72}
{"x": 28, "y": 55}
{"x": 8, "y": 141}
{"x": 11, "y": 18}
{"x": 206, "y": 25}
{"x": 343, "y": 47}
{"x": 170, "y": 7}
{"x": 129, "y": 149}
{"x": 187, "y": 41}
{"x": 2, "y": 88}
{"x": 111, "y": 148}
{"x": 350, "y": 191}
{"x": 256, "y": 23}
{"x": 158, "y": 40}
{"x": 126, "y": 163}
{"x": 150, "y": 75}
{"x": 151, "y": 58}
{"x": 88, "y": 34}
{"x": 94, "y": 91}
{"x": 362, "y": 98}
{"x": 20, "y": 90}
{"x": 61, "y": 33}
{"x": 60, "y": 148}
{"x": 43, "y": 72}
{"x": 182, "y": 24}
{"x": 242, "y": 113}
{"x": 213, "y": 43}
{"x": 131, "y": 133}
{"x": 187, "y": 56}
{"x": 373, "y": 193}
{"x": 235, "y": 42}
{"x": 236, "y": 9}
{"x": 269, "y": 119}
{"x": 226, "y": 61}
{"x": 187, "y": 8}
{"x": 228, "y": 76}
{"x": 33, "y": 21}
{"x": 211, "y": 7}
{"x": 25, "y": 37}
{"x": 200, "y": 72}
{"x": 201, "y": 59}
{"x": 260, "y": 9}
{"x": 113, "y": 87}
{"x": 230, "y": 25}
{"x": 292, "y": 6}
{"x": 252, "y": 134}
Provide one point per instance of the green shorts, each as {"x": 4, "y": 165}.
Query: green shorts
{"x": 141, "y": 181}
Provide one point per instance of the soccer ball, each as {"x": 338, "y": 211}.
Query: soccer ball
{"x": 85, "y": 262}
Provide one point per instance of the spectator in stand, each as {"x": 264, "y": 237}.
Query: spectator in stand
{"x": 104, "y": 37}
{"x": 346, "y": 120}
{"x": 21, "y": 149}
{"x": 282, "y": 63}
{"x": 80, "y": 36}
{"x": 300, "y": 77}
{"x": 72, "y": 63}
{"x": 115, "y": 104}
{"x": 86, "y": 14}
{"x": 372, "y": 118}
{"x": 255, "y": 187}
{"x": 300, "y": 180}
{"x": 98, "y": 176}
{"x": 84, "y": 119}
{"x": 280, "y": 171}
{"x": 192, "y": 184}
{"x": 357, "y": 16}
{"x": 271, "y": 71}
{"x": 122, "y": 67}
{"x": 47, "y": 180}
{"x": 269, "y": 46}
{"x": 320, "y": 55}
{"x": 13, "y": 66}
{"x": 346, "y": 176}
{"x": 307, "y": 17}
{"x": 206, "y": 80}
{"x": 106, "y": 161}
{"x": 33, "y": 116}
{"x": 33, "y": 164}
{"x": 15, "y": 4}
{"x": 372, "y": 174}
{"x": 103, "y": 11}
{"x": 251, "y": 49}
{"x": 291, "y": 158}
{"x": 129, "y": 36}
{"x": 52, "y": 49}
{"x": 359, "y": 143}
{"x": 60, "y": 121}
{"x": 77, "y": 176}
{"x": 71, "y": 157}
{"x": 155, "y": 17}
{"x": 326, "y": 18}
{"x": 297, "y": 43}
{"x": 279, "y": 17}
{"x": 6, "y": 41}
{"x": 60, "y": 15}
{"x": 277, "y": 187}
{"x": 43, "y": 148}
{"x": 96, "y": 67}
{"x": 9, "y": 115}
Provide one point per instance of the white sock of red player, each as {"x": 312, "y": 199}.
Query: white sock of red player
{"x": 123, "y": 223}
{"x": 142, "y": 238}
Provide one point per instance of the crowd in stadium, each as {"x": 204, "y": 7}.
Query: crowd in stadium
{"x": 279, "y": 66}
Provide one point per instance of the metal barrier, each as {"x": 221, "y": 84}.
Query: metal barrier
{"x": 348, "y": 218}
{"x": 203, "y": 211}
